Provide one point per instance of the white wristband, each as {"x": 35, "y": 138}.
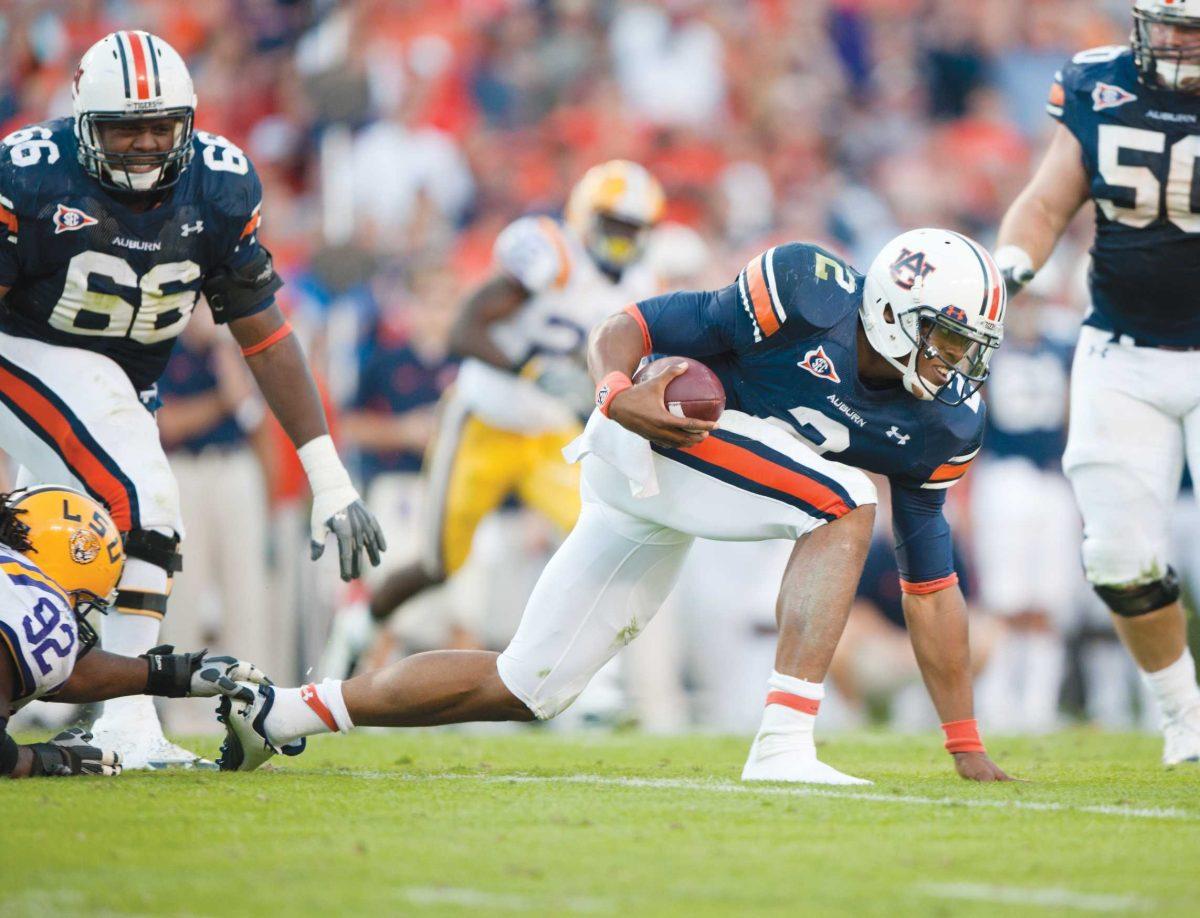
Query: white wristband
{"x": 322, "y": 466}
{"x": 1016, "y": 258}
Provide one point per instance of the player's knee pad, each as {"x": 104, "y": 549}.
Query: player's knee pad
{"x": 1130, "y": 600}
{"x": 158, "y": 553}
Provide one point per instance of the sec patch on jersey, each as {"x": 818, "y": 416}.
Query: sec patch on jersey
{"x": 695, "y": 393}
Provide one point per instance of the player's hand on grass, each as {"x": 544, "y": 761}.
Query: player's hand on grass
{"x": 643, "y": 409}
{"x": 976, "y": 766}
{"x": 72, "y": 753}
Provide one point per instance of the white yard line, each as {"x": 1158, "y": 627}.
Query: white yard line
{"x": 480, "y": 898}
{"x": 1047, "y": 897}
{"x": 727, "y": 787}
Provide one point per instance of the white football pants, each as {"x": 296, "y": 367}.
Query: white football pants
{"x": 748, "y": 481}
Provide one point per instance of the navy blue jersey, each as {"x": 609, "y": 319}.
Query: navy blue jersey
{"x": 86, "y": 271}
{"x": 191, "y": 372}
{"x": 1027, "y": 402}
{"x": 395, "y": 378}
{"x": 1140, "y": 149}
{"x": 783, "y": 339}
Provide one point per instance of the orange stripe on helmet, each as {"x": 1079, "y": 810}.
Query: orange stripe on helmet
{"x": 760, "y": 298}
{"x": 140, "y": 72}
{"x": 754, "y": 467}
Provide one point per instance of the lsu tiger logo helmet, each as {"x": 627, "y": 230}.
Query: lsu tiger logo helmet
{"x": 611, "y": 208}
{"x": 72, "y": 539}
{"x": 937, "y": 294}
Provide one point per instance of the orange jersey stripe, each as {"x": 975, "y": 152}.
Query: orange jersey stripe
{"x": 636, "y": 314}
{"x": 99, "y": 479}
{"x": 950, "y": 471}
{"x": 564, "y": 260}
{"x": 9, "y": 219}
{"x": 760, "y": 298}
{"x": 749, "y": 465}
{"x": 1058, "y": 95}
{"x": 252, "y": 223}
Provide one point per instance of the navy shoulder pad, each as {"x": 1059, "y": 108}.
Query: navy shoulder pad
{"x": 225, "y": 177}
{"x": 36, "y": 160}
{"x": 797, "y": 288}
{"x": 1109, "y": 64}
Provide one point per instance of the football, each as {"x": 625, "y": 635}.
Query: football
{"x": 697, "y": 393}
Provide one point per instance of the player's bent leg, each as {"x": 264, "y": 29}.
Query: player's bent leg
{"x": 814, "y": 602}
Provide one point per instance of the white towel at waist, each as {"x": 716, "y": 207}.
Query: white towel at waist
{"x": 624, "y": 450}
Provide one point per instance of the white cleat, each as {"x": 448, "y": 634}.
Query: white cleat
{"x": 794, "y": 764}
{"x": 351, "y": 633}
{"x": 1181, "y": 737}
{"x": 246, "y": 745}
{"x": 133, "y": 732}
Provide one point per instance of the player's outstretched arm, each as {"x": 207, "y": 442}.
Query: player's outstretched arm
{"x": 937, "y": 625}
{"x": 1040, "y": 214}
{"x": 615, "y": 348}
{"x": 99, "y": 675}
{"x": 70, "y": 753}
{"x": 278, "y": 364}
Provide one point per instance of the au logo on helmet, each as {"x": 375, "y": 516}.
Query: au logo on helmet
{"x": 910, "y": 267}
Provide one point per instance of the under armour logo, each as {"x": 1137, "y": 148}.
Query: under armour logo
{"x": 900, "y": 438}
{"x": 188, "y": 228}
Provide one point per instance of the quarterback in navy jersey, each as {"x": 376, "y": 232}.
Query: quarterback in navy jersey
{"x": 826, "y": 372}
{"x": 113, "y": 222}
{"x": 1128, "y": 139}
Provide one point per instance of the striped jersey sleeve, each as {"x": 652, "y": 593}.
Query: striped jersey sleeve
{"x": 534, "y": 251}
{"x": 951, "y": 471}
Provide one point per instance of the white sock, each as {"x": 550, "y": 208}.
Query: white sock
{"x": 306, "y": 711}
{"x": 129, "y": 635}
{"x": 1175, "y": 686}
{"x": 790, "y": 716}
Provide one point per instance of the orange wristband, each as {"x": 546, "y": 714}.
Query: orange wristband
{"x": 963, "y": 736}
{"x": 610, "y": 385}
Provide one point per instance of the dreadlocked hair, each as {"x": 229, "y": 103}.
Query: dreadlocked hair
{"x": 13, "y": 532}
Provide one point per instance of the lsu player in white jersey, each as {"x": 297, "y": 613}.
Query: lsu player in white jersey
{"x": 523, "y": 386}
{"x": 61, "y": 556}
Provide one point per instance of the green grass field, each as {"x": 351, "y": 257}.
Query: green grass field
{"x": 432, "y": 823}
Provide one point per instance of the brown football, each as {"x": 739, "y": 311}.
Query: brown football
{"x": 697, "y": 393}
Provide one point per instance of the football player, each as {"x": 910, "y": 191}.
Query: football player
{"x": 112, "y": 223}
{"x": 826, "y": 372}
{"x": 60, "y": 558}
{"x": 1128, "y": 138}
{"x": 522, "y": 386}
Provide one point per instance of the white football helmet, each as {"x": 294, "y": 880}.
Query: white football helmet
{"x": 1166, "y": 43}
{"x": 611, "y": 208}
{"x": 937, "y": 293}
{"x": 133, "y": 76}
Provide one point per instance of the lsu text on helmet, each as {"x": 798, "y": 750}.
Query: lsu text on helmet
{"x": 610, "y": 209}
{"x": 936, "y": 293}
{"x": 131, "y": 84}
{"x": 72, "y": 539}
{"x": 1166, "y": 43}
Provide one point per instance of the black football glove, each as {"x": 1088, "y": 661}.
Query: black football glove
{"x": 72, "y": 753}
{"x": 355, "y": 528}
{"x": 196, "y": 675}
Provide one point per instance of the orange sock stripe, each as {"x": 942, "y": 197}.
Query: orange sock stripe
{"x": 795, "y": 702}
{"x": 274, "y": 338}
{"x": 308, "y": 694}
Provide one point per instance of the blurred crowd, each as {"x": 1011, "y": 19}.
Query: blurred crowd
{"x": 396, "y": 138}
